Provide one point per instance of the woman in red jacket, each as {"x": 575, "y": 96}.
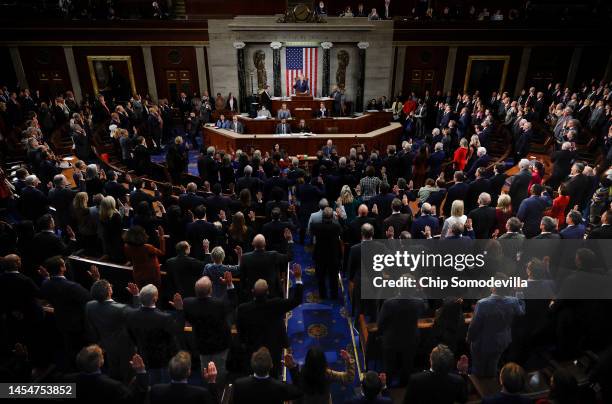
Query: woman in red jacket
{"x": 559, "y": 206}
{"x": 460, "y": 156}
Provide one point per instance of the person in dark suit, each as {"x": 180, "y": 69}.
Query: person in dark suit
{"x": 236, "y": 126}
{"x": 397, "y": 220}
{"x": 436, "y": 159}
{"x": 522, "y": 144}
{"x": 231, "y": 103}
{"x": 353, "y": 233}
{"x": 208, "y": 317}
{"x": 548, "y": 230}
{"x": 275, "y": 231}
{"x": 519, "y": 184}
{"x": 302, "y": 127}
{"x": 185, "y": 270}
{"x": 483, "y": 217}
{"x": 578, "y": 187}
{"x": 48, "y": 244}
{"x": 208, "y": 167}
{"x": 262, "y": 264}
{"x": 489, "y": 333}
{"x": 476, "y": 188}
{"x": 97, "y": 388}
{"x": 457, "y": 191}
{"x": 574, "y": 229}
{"x": 439, "y": 384}
{"x": 327, "y": 253}
{"x": 199, "y": 230}
{"x": 260, "y": 384}
{"x": 562, "y": 165}
{"x": 179, "y": 390}
{"x": 68, "y": 300}
{"x": 216, "y": 203}
{"x": 60, "y": 197}
{"x": 532, "y": 209}
{"x": 189, "y": 200}
{"x": 33, "y": 203}
{"x": 373, "y": 388}
{"x": 106, "y": 322}
{"x": 265, "y": 98}
{"x": 604, "y": 231}
{"x": 114, "y": 188}
{"x": 309, "y": 194}
{"x": 483, "y": 161}
{"x": 301, "y": 85}
{"x": 142, "y": 157}
{"x": 424, "y": 221}
{"x": 261, "y": 321}
{"x": 397, "y": 327}
{"x": 283, "y": 128}
{"x": 496, "y": 183}
{"x": 512, "y": 380}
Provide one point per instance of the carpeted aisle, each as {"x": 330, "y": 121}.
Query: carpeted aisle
{"x": 324, "y": 324}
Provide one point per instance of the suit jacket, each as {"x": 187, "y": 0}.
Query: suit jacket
{"x": 182, "y": 393}
{"x": 262, "y": 265}
{"x": 98, "y": 388}
{"x": 505, "y": 398}
{"x": 237, "y": 127}
{"x": 253, "y": 184}
{"x": 68, "y": 299}
{"x": 519, "y": 188}
{"x": 482, "y": 161}
{"x": 199, "y": 230}
{"x": 107, "y": 321}
{"x": 279, "y": 129}
{"x": 475, "y": 188}
{"x": 418, "y": 226}
{"x": 490, "y": 329}
{"x": 185, "y": 271}
{"x": 483, "y": 221}
{"x": 48, "y": 245}
{"x": 328, "y": 246}
{"x": 283, "y": 114}
{"x": 397, "y": 322}
{"x": 433, "y": 387}
{"x": 399, "y": 221}
{"x": 273, "y": 231}
{"x": 530, "y": 213}
{"x": 261, "y": 321}
{"x": 456, "y": 191}
{"x": 573, "y": 232}
{"x": 154, "y": 332}
{"x": 208, "y": 316}
{"x": 323, "y": 114}
{"x": 249, "y": 390}
{"x": 33, "y": 203}
{"x": 189, "y": 201}
{"x": 562, "y": 163}
{"x": 115, "y": 189}
{"x": 61, "y": 200}
{"x": 207, "y": 169}
{"x": 265, "y": 100}
{"x": 301, "y": 86}
{"x": 233, "y": 106}
{"x": 601, "y": 232}
{"x": 578, "y": 188}
{"x": 496, "y": 183}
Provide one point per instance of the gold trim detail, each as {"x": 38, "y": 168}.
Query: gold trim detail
{"x": 92, "y": 73}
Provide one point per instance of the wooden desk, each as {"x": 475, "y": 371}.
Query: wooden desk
{"x": 365, "y": 123}
{"x": 302, "y": 101}
{"x": 299, "y": 144}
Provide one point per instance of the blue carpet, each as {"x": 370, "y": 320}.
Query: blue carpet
{"x": 324, "y": 324}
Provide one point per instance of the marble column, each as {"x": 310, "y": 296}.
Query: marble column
{"x": 325, "y": 85}
{"x": 201, "y": 66}
{"x": 399, "y": 71}
{"x": 522, "y": 74}
{"x": 73, "y": 74}
{"x": 450, "y": 69}
{"x": 18, "y": 66}
{"x": 149, "y": 72}
{"x": 276, "y": 67}
{"x": 362, "y": 69}
{"x": 573, "y": 67}
{"x": 242, "y": 95}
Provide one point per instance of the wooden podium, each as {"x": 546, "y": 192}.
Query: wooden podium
{"x": 302, "y": 105}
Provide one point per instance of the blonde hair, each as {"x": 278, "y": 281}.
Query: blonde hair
{"x": 346, "y": 195}
{"x": 475, "y": 141}
{"x": 457, "y": 208}
{"x": 80, "y": 200}
{"x": 463, "y": 142}
{"x": 503, "y": 202}
{"x": 107, "y": 208}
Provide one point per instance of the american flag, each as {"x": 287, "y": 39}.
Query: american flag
{"x": 304, "y": 62}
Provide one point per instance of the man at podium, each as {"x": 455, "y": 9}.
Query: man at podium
{"x": 301, "y": 85}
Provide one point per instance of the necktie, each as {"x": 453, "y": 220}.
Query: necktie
{"x": 284, "y": 130}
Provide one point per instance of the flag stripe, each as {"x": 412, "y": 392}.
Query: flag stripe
{"x": 301, "y": 62}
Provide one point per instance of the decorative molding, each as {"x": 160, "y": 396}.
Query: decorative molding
{"x": 327, "y": 45}
{"x": 238, "y": 45}
{"x": 363, "y": 45}
{"x": 301, "y": 13}
{"x": 276, "y": 45}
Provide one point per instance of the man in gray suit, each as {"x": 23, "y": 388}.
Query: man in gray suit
{"x": 490, "y": 331}
{"x": 283, "y": 128}
{"x": 106, "y": 321}
{"x": 236, "y": 126}
{"x": 284, "y": 112}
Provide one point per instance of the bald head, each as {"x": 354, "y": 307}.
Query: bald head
{"x": 259, "y": 242}
{"x": 12, "y": 262}
{"x": 362, "y": 210}
{"x": 203, "y": 287}
{"x": 260, "y": 288}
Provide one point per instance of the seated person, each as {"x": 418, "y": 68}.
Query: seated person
{"x": 283, "y": 128}
{"x": 302, "y": 127}
{"x": 283, "y": 113}
{"x": 373, "y": 15}
{"x": 264, "y": 112}
{"x": 222, "y": 123}
{"x": 322, "y": 112}
{"x": 301, "y": 85}
{"x": 236, "y": 125}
